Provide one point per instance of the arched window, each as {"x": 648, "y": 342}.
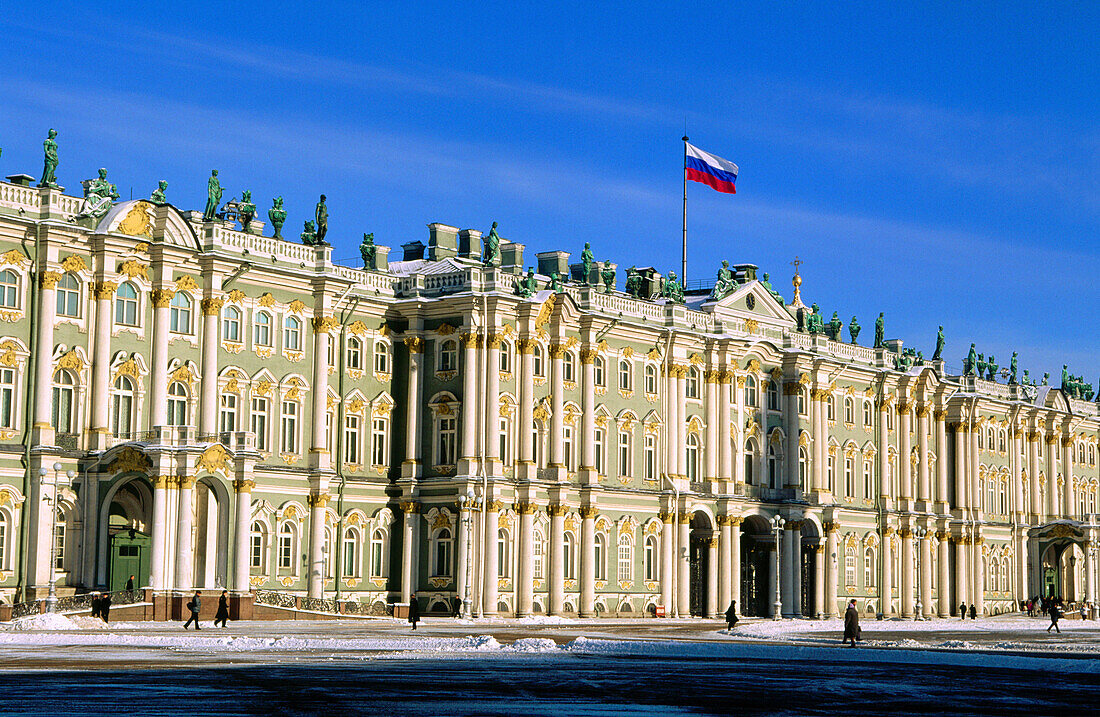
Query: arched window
{"x": 261, "y": 331}
{"x": 505, "y": 357}
{"x": 355, "y": 354}
{"x": 505, "y": 440}
{"x": 868, "y": 415}
{"x": 257, "y": 555}
{"x": 381, "y": 357}
{"x": 775, "y": 478}
{"x": 626, "y": 377}
{"x": 626, "y": 557}
{"x": 1001, "y": 440}
{"x": 292, "y": 334}
{"x": 650, "y": 457}
{"x": 540, "y": 365}
{"x": 538, "y": 553}
{"x": 691, "y": 388}
{"x": 750, "y": 462}
{"x": 126, "y": 305}
{"x": 351, "y": 563}
{"x": 850, "y": 566}
{"x": 378, "y": 566}
{"x": 869, "y": 568}
{"x": 831, "y": 474}
{"x": 177, "y": 404}
{"x": 537, "y": 445}
{"x": 803, "y": 468}
{"x": 231, "y": 324}
{"x": 446, "y": 433}
{"x": 651, "y": 379}
{"x": 64, "y": 395}
{"x": 9, "y": 289}
{"x": 849, "y": 410}
{"x": 569, "y": 367}
{"x": 626, "y": 453}
{"x": 68, "y": 296}
{"x": 599, "y": 372}
{"x": 59, "y": 535}
{"x": 287, "y": 539}
{"x": 803, "y": 401}
{"x": 569, "y": 556}
{"x": 600, "y": 552}
{"x": 773, "y": 395}
{"x": 830, "y": 408}
{"x": 180, "y": 313}
{"x": 7, "y": 398}
{"x": 750, "y": 392}
{"x": 504, "y": 554}
{"x": 442, "y": 552}
{"x": 567, "y": 444}
{"x": 122, "y": 407}
{"x": 650, "y": 559}
{"x": 693, "y": 456}
{"x": 448, "y": 355}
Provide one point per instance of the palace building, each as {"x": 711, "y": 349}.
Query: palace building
{"x": 204, "y": 406}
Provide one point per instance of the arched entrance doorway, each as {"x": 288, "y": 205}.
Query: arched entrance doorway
{"x": 757, "y": 564}
{"x": 702, "y": 535}
{"x": 811, "y": 540}
{"x": 126, "y": 531}
{"x": 1062, "y": 559}
{"x": 211, "y": 540}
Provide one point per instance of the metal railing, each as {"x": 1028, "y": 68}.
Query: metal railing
{"x": 276, "y": 598}
{"x": 67, "y": 441}
{"x": 76, "y": 603}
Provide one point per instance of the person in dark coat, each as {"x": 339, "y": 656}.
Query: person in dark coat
{"x": 973, "y": 612}
{"x": 194, "y": 605}
{"x": 962, "y": 610}
{"x": 105, "y": 607}
{"x": 1055, "y": 615}
{"x": 414, "y": 611}
{"x": 731, "y": 615}
{"x": 130, "y": 584}
{"x": 223, "y": 609}
{"x": 851, "y": 624}
{"x": 456, "y": 609}
{"x": 95, "y": 604}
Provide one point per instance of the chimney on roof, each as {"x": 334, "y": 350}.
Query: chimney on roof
{"x": 469, "y": 244}
{"x": 442, "y": 241}
{"x": 414, "y": 250}
{"x": 554, "y": 261}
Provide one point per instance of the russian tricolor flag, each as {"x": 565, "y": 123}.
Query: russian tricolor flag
{"x": 700, "y": 166}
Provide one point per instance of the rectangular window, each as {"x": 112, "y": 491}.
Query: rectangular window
{"x": 624, "y": 454}
{"x": 351, "y": 439}
{"x": 7, "y": 398}
{"x": 378, "y": 442}
{"x": 290, "y": 427}
{"x": 445, "y": 453}
{"x": 256, "y": 561}
{"x": 228, "y": 413}
{"x": 598, "y": 444}
{"x": 258, "y": 423}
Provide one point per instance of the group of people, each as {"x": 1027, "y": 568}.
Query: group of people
{"x": 963, "y": 611}
{"x": 194, "y": 606}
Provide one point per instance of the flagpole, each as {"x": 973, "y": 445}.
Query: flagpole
{"x": 684, "y": 253}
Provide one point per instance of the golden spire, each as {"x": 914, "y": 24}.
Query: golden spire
{"x": 796, "y": 303}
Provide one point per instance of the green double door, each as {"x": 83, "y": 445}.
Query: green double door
{"x": 130, "y": 552}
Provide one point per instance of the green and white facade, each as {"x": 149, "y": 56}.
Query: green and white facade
{"x": 241, "y": 412}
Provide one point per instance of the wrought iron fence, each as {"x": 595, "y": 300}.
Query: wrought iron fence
{"x": 22, "y": 609}
{"x": 74, "y": 603}
{"x": 67, "y": 441}
{"x": 319, "y": 605}
{"x": 276, "y": 599}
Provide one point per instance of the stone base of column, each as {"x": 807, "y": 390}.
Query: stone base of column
{"x": 467, "y": 467}
{"x": 588, "y": 476}
{"x": 557, "y": 473}
{"x": 410, "y": 469}
{"x": 494, "y": 468}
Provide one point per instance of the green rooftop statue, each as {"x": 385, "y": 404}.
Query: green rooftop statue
{"x": 277, "y": 215}
{"x": 491, "y": 252}
{"x": 608, "y": 276}
{"x": 672, "y": 289}
{"x": 970, "y": 363}
{"x": 586, "y": 263}
{"x": 1012, "y": 367}
{"x": 321, "y": 214}
{"x": 528, "y": 286}
{"x": 49, "y": 167}
{"x": 991, "y": 369}
{"x": 213, "y": 197}
{"x": 368, "y": 251}
{"x": 880, "y": 330}
{"x": 1046, "y": 379}
{"x": 633, "y": 282}
{"x": 939, "y": 345}
{"x": 555, "y": 280}
{"x": 158, "y": 195}
{"x": 853, "y": 329}
{"x": 246, "y": 210}
{"x": 835, "y": 326}
{"x": 724, "y": 283}
{"x": 309, "y": 234}
{"x": 98, "y": 195}
{"x": 814, "y": 323}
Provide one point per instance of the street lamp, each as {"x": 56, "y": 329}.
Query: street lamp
{"x": 919, "y": 534}
{"x": 51, "y": 597}
{"x": 472, "y": 502}
{"x": 777, "y": 525}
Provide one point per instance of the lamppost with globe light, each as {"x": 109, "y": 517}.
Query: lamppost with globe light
{"x": 473, "y": 502}
{"x": 777, "y": 525}
{"x": 51, "y": 597}
{"x": 919, "y": 533}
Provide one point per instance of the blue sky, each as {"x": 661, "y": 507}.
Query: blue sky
{"x": 937, "y": 163}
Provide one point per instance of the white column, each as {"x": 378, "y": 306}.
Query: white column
{"x": 1052, "y": 476}
{"x": 941, "y": 461}
{"x": 961, "y": 448}
{"x": 925, "y": 587}
{"x": 467, "y": 464}
{"x": 318, "y": 502}
{"x": 588, "y": 467}
{"x": 242, "y": 535}
{"x": 490, "y": 559}
{"x": 158, "y": 379}
{"x": 682, "y": 419}
{"x": 588, "y": 562}
{"x": 725, "y": 443}
{"x": 463, "y": 540}
{"x": 1068, "y": 509}
{"x": 1017, "y": 461}
{"x": 887, "y": 594}
{"x": 208, "y": 389}
{"x": 820, "y": 427}
{"x": 101, "y": 364}
{"x": 924, "y": 478}
{"x": 791, "y": 390}
{"x": 794, "y": 567}
{"x": 413, "y": 424}
{"x": 905, "y": 473}
{"x": 974, "y": 501}
{"x": 832, "y": 557}
{"x": 710, "y": 602}
{"x": 1090, "y": 577}
{"x": 672, "y": 466}
{"x": 683, "y": 562}
{"x": 712, "y": 447}
{"x": 44, "y": 367}
{"x": 185, "y": 521}
{"x": 907, "y": 572}
{"x": 978, "y": 573}
{"x": 525, "y": 586}
{"x": 739, "y": 439}
{"x": 942, "y": 564}
{"x": 491, "y": 429}
{"x": 557, "y": 558}
{"x": 668, "y": 540}
{"x": 819, "y": 581}
{"x": 962, "y": 575}
{"x": 725, "y": 582}
{"x": 1033, "y": 469}
{"x": 160, "y": 529}
{"x": 773, "y": 578}
{"x": 735, "y": 561}
{"x": 883, "y": 455}
{"x": 526, "y": 399}
{"x": 557, "y": 409}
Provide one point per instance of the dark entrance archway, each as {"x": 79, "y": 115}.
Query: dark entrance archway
{"x": 128, "y": 527}
{"x": 811, "y": 540}
{"x": 757, "y": 563}
{"x": 702, "y": 533}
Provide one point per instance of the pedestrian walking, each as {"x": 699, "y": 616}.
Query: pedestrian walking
{"x": 194, "y": 605}
{"x": 130, "y": 584}
{"x": 456, "y": 608}
{"x": 962, "y": 610}
{"x": 973, "y": 612}
{"x": 414, "y": 610}
{"x": 105, "y": 607}
{"x": 95, "y": 604}
{"x": 1055, "y": 614}
{"x": 851, "y": 624}
{"x": 731, "y": 616}
{"x": 223, "y": 609}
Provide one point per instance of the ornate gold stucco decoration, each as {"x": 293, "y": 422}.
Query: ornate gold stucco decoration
{"x": 213, "y": 459}
{"x": 296, "y": 306}
{"x": 236, "y": 296}
{"x": 130, "y": 459}
{"x": 138, "y": 222}
{"x": 71, "y": 360}
{"x": 13, "y": 257}
{"x": 133, "y": 268}
{"x": 267, "y": 300}
{"x": 73, "y": 264}
{"x": 545, "y": 311}
{"x": 186, "y": 283}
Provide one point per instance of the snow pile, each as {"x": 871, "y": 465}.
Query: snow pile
{"x": 544, "y": 620}
{"x": 45, "y": 621}
{"x": 533, "y": 645}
